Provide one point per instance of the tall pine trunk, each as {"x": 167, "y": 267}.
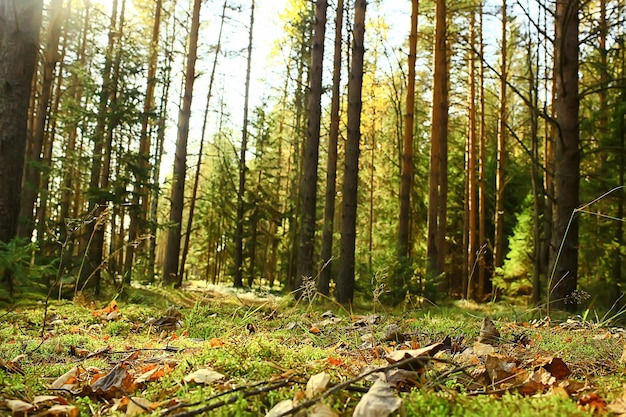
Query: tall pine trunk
{"x": 241, "y": 190}
{"x": 196, "y": 178}
{"x": 140, "y": 199}
{"x": 437, "y": 184}
{"x": 345, "y": 280}
{"x": 564, "y": 255}
{"x": 308, "y": 185}
{"x": 501, "y": 149}
{"x": 323, "y": 283}
{"x": 406, "y": 169}
{"x": 20, "y": 24}
{"x": 172, "y": 252}
{"x": 89, "y": 276}
{"x": 35, "y": 148}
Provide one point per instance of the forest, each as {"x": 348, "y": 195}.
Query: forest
{"x": 403, "y": 150}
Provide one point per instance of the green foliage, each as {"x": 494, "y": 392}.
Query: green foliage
{"x": 21, "y": 269}
{"x": 515, "y": 276}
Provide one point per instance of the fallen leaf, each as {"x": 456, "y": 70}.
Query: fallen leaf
{"x": 281, "y": 408}
{"x": 378, "y": 402}
{"x": 400, "y": 355}
{"x": 556, "y": 366}
{"x": 317, "y": 384}
{"x": 499, "y": 367}
{"x": 138, "y": 406}
{"x": 483, "y": 349}
{"x": 116, "y": 383}
{"x": 488, "y": 332}
{"x": 618, "y": 405}
{"x": 203, "y": 376}
{"x": 66, "y": 381}
{"x": 322, "y": 410}
{"x": 52, "y": 399}
{"x": 335, "y": 361}
{"x": 215, "y": 342}
{"x": 61, "y": 411}
{"x": 20, "y": 407}
{"x": 592, "y": 402}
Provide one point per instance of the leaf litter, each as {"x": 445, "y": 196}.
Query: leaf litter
{"x": 376, "y": 373}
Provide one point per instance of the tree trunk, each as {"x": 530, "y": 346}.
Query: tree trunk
{"x": 238, "y": 277}
{"x": 70, "y": 163}
{"x": 472, "y": 181}
{"x": 501, "y": 149}
{"x": 323, "y": 283}
{"x": 20, "y": 22}
{"x": 345, "y": 280}
{"x": 196, "y": 178}
{"x": 139, "y": 208}
{"x": 172, "y": 252}
{"x": 308, "y": 185}
{"x": 482, "y": 162}
{"x": 19, "y": 42}
{"x": 35, "y": 147}
{"x": 406, "y": 170}
{"x": 437, "y": 172}
{"x": 564, "y": 255}
{"x": 89, "y": 276}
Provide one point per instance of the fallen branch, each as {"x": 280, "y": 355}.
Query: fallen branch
{"x": 232, "y": 399}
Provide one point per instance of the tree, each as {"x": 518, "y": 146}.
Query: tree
{"x": 323, "y": 283}
{"x": 345, "y": 280}
{"x": 238, "y": 276}
{"x": 20, "y": 23}
{"x": 406, "y": 170}
{"x": 566, "y": 162}
{"x": 33, "y": 168}
{"x": 140, "y": 198}
{"x": 196, "y": 179}
{"x": 437, "y": 183}
{"x": 501, "y": 148}
{"x": 92, "y": 240}
{"x": 172, "y": 254}
{"x": 472, "y": 182}
{"x": 308, "y": 185}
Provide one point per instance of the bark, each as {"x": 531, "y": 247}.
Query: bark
{"x": 20, "y": 22}
{"x": 35, "y": 163}
{"x": 345, "y": 280}
{"x": 308, "y": 185}
{"x": 69, "y": 183}
{"x": 196, "y": 179}
{"x": 92, "y": 242}
{"x": 501, "y": 149}
{"x": 140, "y": 200}
{"x": 172, "y": 252}
{"x": 472, "y": 180}
{"x": 323, "y": 283}
{"x": 238, "y": 276}
{"x": 482, "y": 163}
{"x": 438, "y": 151}
{"x": 406, "y": 169}
{"x": 564, "y": 255}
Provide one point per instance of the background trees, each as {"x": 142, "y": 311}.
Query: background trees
{"x": 419, "y": 206}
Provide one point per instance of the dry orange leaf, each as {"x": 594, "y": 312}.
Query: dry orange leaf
{"x": 215, "y": 342}
{"x": 334, "y": 361}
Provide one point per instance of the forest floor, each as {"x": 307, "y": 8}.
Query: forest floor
{"x": 215, "y": 351}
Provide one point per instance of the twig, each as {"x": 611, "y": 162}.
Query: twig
{"x": 418, "y": 360}
{"x": 232, "y": 399}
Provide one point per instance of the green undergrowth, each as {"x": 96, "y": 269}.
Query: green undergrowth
{"x": 254, "y": 341}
